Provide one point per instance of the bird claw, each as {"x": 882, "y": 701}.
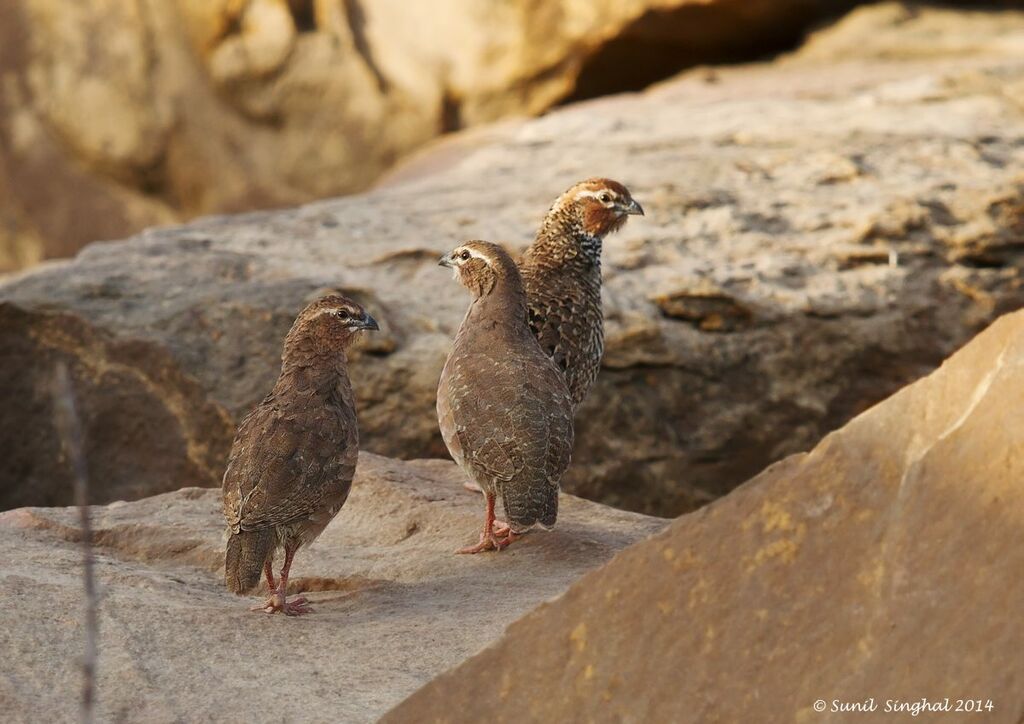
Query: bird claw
{"x": 295, "y": 607}
{"x": 490, "y": 541}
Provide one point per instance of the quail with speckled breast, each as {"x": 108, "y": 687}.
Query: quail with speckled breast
{"x": 293, "y": 458}
{"x": 561, "y": 273}
{"x": 503, "y": 406}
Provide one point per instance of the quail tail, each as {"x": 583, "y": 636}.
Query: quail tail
{"x": 247, "y": 552}
{"x": 538, "y": 506}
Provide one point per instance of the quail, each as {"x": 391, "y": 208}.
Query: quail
{"x": 503, "y": 406}
{"x": 293, "y": 458}
{"x": 561, "y": 273}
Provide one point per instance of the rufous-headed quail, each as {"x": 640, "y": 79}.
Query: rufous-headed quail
{"x": 561, "y": 273}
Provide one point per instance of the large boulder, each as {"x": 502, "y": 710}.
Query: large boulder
{"x": 818, "y": 235}
{"x": 120, "y": 114}
{"x": 880, "y": 569}
{"x": 394, "y": 607}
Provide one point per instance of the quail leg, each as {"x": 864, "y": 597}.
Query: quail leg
{"x": 279, "y": 600}
{"x": 501, "y": 528}
{"x": 489, "y": 538}
{"x": 268, "y": 605}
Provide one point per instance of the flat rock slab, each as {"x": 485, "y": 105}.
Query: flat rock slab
{"x": 394, "y": 607}
{"x": 884, "y": 564}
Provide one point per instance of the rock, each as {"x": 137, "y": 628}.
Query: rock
{"x": 817, "y": 236}
{"x": 394, "y": 606}
{"x": 884, "y": 564}
{"x": 149, "y": 427}
{"x": 119, "y": 115}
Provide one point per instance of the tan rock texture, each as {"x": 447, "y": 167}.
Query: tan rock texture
{"x": 885, "y": 563}
{"x": 394, "y": 606}
{"x": 818, "y": 234}
{"x": 121, "y": 114}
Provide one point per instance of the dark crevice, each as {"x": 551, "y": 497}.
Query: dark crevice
{"x": 660, "y": 44}
{"x": 984, "y": 261}
{"x": 451, "y": 113}
{"x": 303, "y": 15}
{"x": 357, "y": 24}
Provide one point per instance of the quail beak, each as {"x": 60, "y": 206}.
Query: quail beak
{"x": 633, "y": 208}
{"x": 368, "y": 322}
{"x": 445, "y": 260}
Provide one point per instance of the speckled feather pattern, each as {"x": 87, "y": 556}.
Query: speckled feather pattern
{"x": 565, "y": 315}
{"x": 503, "y": 406}
{"x": 561, "y": 274}
{"x": 294, "y": 456}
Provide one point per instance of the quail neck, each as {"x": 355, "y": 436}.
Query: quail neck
{"x": 316, "y": 347}
{"x": 563, "y": 239}
{"x": 306, "y": 352}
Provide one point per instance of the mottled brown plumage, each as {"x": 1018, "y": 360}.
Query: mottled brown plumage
{"x": 562, "y": 277}
{"x": 502, "y": 405}
{"x": 294, "y": 455}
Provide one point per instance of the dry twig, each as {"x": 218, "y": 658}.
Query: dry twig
{"x": 70, "y": 430}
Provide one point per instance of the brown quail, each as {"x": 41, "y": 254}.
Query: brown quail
{"x": 294, "y": 455}
{"x": 562, "y": 276}
{"x": 502, "y": 405}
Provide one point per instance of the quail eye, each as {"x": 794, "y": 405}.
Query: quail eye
{"x": 341, "y": 314}
{"x": 605, "y": 197}
{"x": 464, "y": 256}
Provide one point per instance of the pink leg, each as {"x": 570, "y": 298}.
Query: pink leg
{"x": 268, "y": 571}
{"x": 279, "y": 600}
{"x": 500, "y": 526}
{"x": 489, "y": 538}
{"x": 268, "y": 605}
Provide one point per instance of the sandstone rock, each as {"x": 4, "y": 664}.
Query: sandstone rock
{"x": 885, "y": 563}
{"x": 116, "y": 115}
{"x": 149, "y": 428}
{"x": 817, "y": 237}
{"x": 394, "y": 605}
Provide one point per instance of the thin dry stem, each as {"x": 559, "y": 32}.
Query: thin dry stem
{"x": 70, "y": 430}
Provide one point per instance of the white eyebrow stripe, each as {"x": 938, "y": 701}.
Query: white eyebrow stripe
{"x": 329, "y": 310}
{"x": 587, "y": 194}
{"x": 476, "y": 254}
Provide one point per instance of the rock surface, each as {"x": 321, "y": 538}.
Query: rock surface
{"x": 885, "y": 563}
{"x": 121, "y": 114}
{"x": 818, "y": 234}
{"x": 394, "y": 606}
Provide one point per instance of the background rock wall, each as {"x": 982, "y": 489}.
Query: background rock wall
{"x": 819, "y": 233}
{"x": 121, "y": 114}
